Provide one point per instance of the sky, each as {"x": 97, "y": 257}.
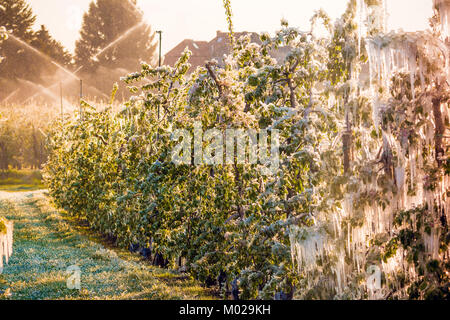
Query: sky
{"x": 200, "y": 19}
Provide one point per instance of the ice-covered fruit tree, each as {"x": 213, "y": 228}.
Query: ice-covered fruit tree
{"x": 358, "y": 207}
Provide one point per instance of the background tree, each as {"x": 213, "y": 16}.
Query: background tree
{"x": 21, "y": 62}
{"x": 17, "y": 15}
{"x": 3, "y": 36}
{"x": 18, "y": 18}
{"x": 50, "y": 47}
{"x": 118, "y": 24}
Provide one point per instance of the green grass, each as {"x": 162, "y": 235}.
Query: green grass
{"x": 47, "y": 242}
{"x": 21, "y": 187}
{"x": 3, "y": 229}
{"x": 21, "y": 180}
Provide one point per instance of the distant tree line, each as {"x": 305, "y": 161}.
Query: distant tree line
{"x": 113, "y": 41}
{"x": 22, "y": 145}
{"x": 22, "y": 63}
{"x": 103, "y": 25}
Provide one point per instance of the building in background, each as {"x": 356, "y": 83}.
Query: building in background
{"x": 203, "y": 51}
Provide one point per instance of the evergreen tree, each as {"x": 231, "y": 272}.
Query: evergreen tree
{"x": 22, "y": 62}
{"x": 44, "y": 42}
{"x": 104, "y": 24}
{"x": 17, "y": 16}
{"x": 3, "y": 36}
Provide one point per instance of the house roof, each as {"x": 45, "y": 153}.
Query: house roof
{"x": 203, "y": 51}
{"x": 199, "y": 49}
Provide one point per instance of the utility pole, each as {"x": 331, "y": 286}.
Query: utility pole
{"x": 160, "y": 46}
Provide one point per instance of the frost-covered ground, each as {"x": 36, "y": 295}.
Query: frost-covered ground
{"x": 47, "y": 242}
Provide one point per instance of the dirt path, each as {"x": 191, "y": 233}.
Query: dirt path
{"x": 47, "y": 243}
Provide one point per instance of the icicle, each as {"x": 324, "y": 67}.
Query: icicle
{"x": 376, "y": 111}
{"x": 2, "y": 253}
{"x": 432, "y": 243}
{"x": 422, "y": 77}
{"x": 306, "y": 247}
{"x": 335, "y": 225}
{"x": 6, "y": 240}
{"x": 347, "y": 249}
{"x": 386, "y": 16}
{"x": 348, "y": 238}
{"x": 359, "y": 15}
{"x": 412, "y": 66}
{"x": 385, "y": 59}
{"x": 412, "y": 167}
{"x": 400, "y": 177}
{"x": 443, "y": 7}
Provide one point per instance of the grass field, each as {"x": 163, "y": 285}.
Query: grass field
{"x": 47, "y": 242}
{"x": 21, "y": 180}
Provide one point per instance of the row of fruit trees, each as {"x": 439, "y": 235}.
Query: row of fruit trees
{"x": 363, "y": 178}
